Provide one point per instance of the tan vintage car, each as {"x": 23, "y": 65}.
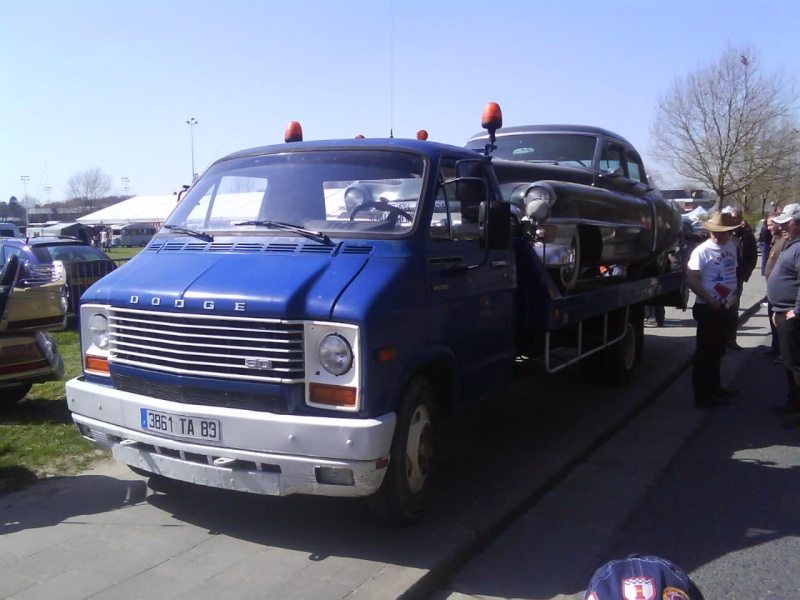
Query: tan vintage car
{"x": 33, "y": 301}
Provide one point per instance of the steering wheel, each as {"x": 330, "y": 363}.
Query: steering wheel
{"x": 391, "y": 209}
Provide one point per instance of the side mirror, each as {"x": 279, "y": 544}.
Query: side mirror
{"x": 494, "y": 221}
{"x": 471, "y": 188}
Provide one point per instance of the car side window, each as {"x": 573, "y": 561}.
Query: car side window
{"x": 6, "y": 252}
{"x": 611, "y": 158}
{"x": 635, "y": 166}
{"x": 450, "y": 220}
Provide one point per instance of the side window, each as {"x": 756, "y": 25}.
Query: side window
{"x": 450, "y": 219}
{"x": 611, "y": 158}
{"x": 635, "y": 167}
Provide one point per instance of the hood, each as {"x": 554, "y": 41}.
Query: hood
{"x": 516, "y": 171}
{"x": 286, "y": 284}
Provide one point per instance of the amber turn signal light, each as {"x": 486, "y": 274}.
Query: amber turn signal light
{"x": 332, "y": 395}
{"x": 95, "y": 364}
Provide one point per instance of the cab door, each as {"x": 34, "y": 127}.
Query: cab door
{"x": 8, "y": 278}
{"x": 470, "y": 289}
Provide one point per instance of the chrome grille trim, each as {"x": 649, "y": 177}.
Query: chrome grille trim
{"x": 208, "y": 345}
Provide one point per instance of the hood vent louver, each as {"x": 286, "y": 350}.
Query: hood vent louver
{"x": 251, "y": 247}
{"x": 357, "y": 250}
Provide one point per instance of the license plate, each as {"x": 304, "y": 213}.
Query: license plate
{"x": 180, "y": 425}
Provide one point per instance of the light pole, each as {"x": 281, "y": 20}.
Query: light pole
{"x": 25, "y": 179}
{"x": 192, "y": 122}
{"x": 48, "y": 189}
{"x": 125, "y": 185}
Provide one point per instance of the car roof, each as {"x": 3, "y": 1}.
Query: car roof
{"x": 56, "y": 241}
{"x": 591, "y": 130}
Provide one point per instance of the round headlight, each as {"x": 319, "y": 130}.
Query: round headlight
{"x": 335, "y": 354}
{"x": 98, "y": 329}
{"x": 539, "y": 192}
{"x": 353, "y": 196}
{"x": 538, "y": 200}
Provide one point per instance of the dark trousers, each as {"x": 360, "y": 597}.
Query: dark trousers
{"x": 789, "y": 341}
{"x": 733, "y": 314}
{"x": 712, "y": 331}
{"x": 775, "y": 344}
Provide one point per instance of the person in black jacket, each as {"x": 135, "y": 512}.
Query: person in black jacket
{"x": 747, "y": 254}
{"x": 764, "y": 244}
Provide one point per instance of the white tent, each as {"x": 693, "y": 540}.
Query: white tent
{"x": 139, "y": 209}
{"x": 696, "y": 213}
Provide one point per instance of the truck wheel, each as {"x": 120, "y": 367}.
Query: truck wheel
{"x": 567, "y": 276}
{"x": 403, "y": 494}
{"x": 13, "y": 394}
{"x": 619, "y": 360}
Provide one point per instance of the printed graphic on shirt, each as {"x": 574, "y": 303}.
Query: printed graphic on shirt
{"x": 717, "y": 266}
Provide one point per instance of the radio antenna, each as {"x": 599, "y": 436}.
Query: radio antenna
{"x": 391, "y": 68}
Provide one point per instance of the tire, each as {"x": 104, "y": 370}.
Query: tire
{"x": 405, "y": 489}
{"x": 566, "y": 277}
{"x": 13, "y": 394}
{"x": 619, "y": 360}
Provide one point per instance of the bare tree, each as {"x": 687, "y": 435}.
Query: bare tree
{"x": 88, "y": 187}
{"x": 728, "y": 126}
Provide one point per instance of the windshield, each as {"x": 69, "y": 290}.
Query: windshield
{"x": 563, "y": 148}
{"x": 337, "y": 192}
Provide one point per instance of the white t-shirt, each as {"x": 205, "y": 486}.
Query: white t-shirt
{"x": 717, "y": 266}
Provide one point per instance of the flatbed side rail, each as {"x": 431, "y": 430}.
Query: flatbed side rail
{"x": 552, "y": 356}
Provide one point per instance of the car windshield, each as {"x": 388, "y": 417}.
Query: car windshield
{"x": 68, "y": 253}
{"x": 336, "y": 192}
{"x": 563, "y": 148}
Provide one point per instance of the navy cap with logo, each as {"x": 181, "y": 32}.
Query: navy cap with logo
{"x": 641, "y": 578}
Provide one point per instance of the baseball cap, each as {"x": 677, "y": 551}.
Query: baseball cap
{"x": 790, "y": 211}
{"x": 641, "y": 577}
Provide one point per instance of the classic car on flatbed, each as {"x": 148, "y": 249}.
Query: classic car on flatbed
{"x": 582, "y": 193}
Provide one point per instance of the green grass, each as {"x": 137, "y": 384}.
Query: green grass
{"x": 37, "y": 436}
{"x": 117, "y": 253}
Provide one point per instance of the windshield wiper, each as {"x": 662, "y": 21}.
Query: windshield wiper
{"x": 198, "y": 234}
{"x": 309, "y": 233}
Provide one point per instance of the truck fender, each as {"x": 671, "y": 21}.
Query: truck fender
{"x": 439, "y": 365}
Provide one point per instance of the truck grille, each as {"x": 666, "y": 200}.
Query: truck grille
{"x": 263, "y": 350}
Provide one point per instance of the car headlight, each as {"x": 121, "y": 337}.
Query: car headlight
{"x": 353, "y": 197}
{"x": 335, "y": 354}
{"x": 538, "y": 200}
{"x": 98, "y": 329}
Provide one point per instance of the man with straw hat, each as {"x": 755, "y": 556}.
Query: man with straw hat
{"x": 711, "y": 275}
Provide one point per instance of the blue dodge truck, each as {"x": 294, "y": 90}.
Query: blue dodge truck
{"x": 309, "y": 311}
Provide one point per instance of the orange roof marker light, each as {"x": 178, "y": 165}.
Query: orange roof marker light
{"x": 491, "y": 120}
{"x": 293, "y": 133}
{"x": 422, "y": 134}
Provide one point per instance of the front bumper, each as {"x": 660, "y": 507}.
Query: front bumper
{"x": 261, "y": 453}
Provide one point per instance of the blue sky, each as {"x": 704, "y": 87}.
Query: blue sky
{"x": 96, "y": 83}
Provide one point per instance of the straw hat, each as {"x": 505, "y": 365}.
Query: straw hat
{"x": 721, "y": 221}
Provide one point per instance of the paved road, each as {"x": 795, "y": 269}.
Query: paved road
{"x": 725, "y": 506}
{"x": 104, "y": 534}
